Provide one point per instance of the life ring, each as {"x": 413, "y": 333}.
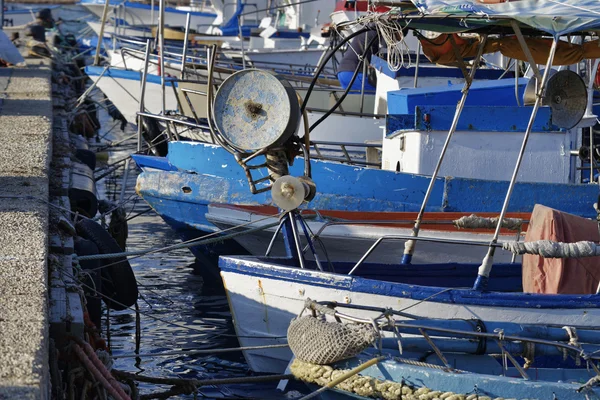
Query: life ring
{"x": 154, "y": 136}
{"x": 92, "y": 279}
{"x": 119, "y": 280}
{"x": 597, "y": 78}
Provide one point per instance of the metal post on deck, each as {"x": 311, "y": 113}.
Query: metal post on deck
{"x": 409, "y": 246}
{"x": 152, "y": 11}
{"x": 486, "y": 265}
{"x": 364, "y": 76}
{"x": 101, "y": 34}
{"x": 142, "y": 94}
{"x": 161, "y": 43}
{"x": 417, "y": 64}
{"x": 241, "y": 41}
{"x": 185, "y": 45}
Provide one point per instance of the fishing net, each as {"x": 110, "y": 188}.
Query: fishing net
{"x": 318, "y": 341}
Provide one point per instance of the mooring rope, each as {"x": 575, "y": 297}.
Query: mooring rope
{"x": 178, "y": 246}
{"x": 550, "y": 249}
{"x": 476, "y": 222}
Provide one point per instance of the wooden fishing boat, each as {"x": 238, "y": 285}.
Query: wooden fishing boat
{"x": 439, "y": 358}
{"x": 265, "y": 292}
{"x": 347, "y": 235}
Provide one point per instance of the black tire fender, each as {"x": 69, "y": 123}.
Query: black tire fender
{"x": 154, "y": 136}
{"x": 84, "y": 247}
{"x": 119, "y": 281}
{"x": 87, "y": 157}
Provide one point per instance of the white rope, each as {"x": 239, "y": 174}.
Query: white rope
{"x": 398, "y": 52}
{"x": 476, "y": 222}
{"x": 550, "y": 249}
{"x": 397, "y": 49}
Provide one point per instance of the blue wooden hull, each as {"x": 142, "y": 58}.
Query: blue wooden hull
{"x": 549, "y": 383}
{"x": 194, "y": 175}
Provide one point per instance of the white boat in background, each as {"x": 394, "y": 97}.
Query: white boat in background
{"x": 202, "y": 18}
{"x": 122, "y": 87}
{"x": 138, "y": 31}
{"x": 347, "y": 235}
{"x": 22, "y": 14}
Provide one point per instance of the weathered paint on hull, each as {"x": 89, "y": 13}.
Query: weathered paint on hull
{"x": 265, "y": 297}
{"x": 201, "y": 174}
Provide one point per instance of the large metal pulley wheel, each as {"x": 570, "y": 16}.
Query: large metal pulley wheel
{"x": 565, "y": 94}
{"x": 256, "y": 109}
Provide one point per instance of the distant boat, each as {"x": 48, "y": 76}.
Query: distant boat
{"x": 136, "y": 13}
{"x": 18, "y": 15}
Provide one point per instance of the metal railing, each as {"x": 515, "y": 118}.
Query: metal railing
{"x": 328, "y": 151}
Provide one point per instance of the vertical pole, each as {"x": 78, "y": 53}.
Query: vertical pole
{"x": 185, "y": 46}
{"x": 142, "y": 94}
{"x": 241, "y": 41}
{"x": 152, "y": 11}
{"x": 117, "y": 16}
{"x": 364, "y": 75}
{"x": 161, "y": 43}
{"x": 517, "y": 82}
{"x": 409, "y": 246}
{"x": 101, "y": 34}
{"x": 417, "y": 64}
{"x": 591, "y": 154}
{"x": 124, "y": 180}
{"x": 486, "y": 265}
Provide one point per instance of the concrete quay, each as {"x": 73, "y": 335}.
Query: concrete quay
{"x": 26, "y": 299}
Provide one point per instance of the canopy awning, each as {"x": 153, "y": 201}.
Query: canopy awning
{"x": 555, "y": 17}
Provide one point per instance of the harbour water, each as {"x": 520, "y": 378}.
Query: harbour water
{"x": 181, "y": 310}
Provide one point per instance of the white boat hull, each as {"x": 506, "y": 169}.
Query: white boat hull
{"x": 350, "y": 242}
{"x": 263, "y": 306}
{"x": 110, "y": 30}
{"x": 125, "y": 94}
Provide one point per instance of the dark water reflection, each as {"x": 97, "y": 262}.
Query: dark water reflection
{"x": 172, "y": 291}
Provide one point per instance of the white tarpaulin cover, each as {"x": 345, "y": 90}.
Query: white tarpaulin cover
{"x": 557, "y": 17}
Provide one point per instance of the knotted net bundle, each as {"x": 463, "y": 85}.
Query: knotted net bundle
{"x": 317, "y": 341}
